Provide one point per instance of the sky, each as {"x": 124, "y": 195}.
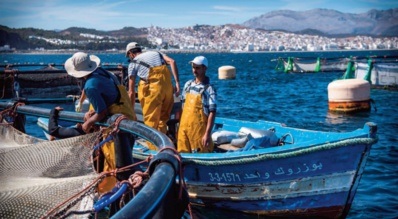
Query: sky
{"x": 116, "y": 14}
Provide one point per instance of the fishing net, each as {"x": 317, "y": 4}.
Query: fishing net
{"x": 37, "y": 175}
{"x": 382, "y": 74}
{"x": 322, "y": 65}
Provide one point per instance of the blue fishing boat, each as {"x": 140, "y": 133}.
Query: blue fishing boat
{"x": 302, "y": 173}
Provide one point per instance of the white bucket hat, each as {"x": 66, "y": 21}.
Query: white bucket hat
{"x": 81, "y": 64}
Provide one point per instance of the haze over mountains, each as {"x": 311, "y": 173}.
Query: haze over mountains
{"x": 373, "y": 22}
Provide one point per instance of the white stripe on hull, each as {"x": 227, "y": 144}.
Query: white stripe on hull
{"x": 325, "y": 184}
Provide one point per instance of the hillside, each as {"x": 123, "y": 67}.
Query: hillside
{"x": 23, "y": 38}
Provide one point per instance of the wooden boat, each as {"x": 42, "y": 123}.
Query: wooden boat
{"x": 306, "y": 174}
{"x": 280, "y": 172}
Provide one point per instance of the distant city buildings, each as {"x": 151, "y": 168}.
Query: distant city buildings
{"x": 6, "y": 48}
{"x": 226, "y": 37}
{"x": 237, "y": 38}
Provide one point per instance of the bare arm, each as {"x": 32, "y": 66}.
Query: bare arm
{"x": 82, "y": 97}
{"x": 87, "y": 125}
{"x": 209, "y": 127}
{"x": 79, "y": 106}
{"x": 174, "y": 71}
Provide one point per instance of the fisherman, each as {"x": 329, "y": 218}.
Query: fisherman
{"x": 106, "y": 98}
{"x": 155, "y": 89}
{"x": 199, "y": 111}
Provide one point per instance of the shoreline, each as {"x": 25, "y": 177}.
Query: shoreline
{"x": 188, "y": 51}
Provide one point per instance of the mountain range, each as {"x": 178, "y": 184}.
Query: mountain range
{"x": 332, "y": 22}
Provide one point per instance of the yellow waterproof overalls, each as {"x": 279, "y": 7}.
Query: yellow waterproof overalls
{"x": 156, "y": 99}
{"x": 193, "y": 125}
{"x": 123, "y": 106}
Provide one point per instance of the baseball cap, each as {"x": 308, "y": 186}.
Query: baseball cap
{"x": 200, "y": 60}
{"x": 131, "y": 46}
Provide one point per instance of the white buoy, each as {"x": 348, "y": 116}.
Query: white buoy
{"x": 349, "y": 95}
{"x": 226, "y": 72}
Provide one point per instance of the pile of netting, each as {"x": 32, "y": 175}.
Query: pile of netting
{"x": 37, "y": 176}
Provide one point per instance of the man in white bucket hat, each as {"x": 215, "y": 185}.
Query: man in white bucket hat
{"x": 155, "y": 89}
{"x": 81, "y": 64}
{"x": 101, "y": 87}
{"x": 199, "y": 99}
{"x": 107, "y": 97}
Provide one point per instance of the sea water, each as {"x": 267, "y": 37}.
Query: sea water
{"x": 299, "y": 100}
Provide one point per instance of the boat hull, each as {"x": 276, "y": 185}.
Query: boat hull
{"x": 314, "y": 178}
{"x": 319, "y": 184}
{"x": 315, "y": 175}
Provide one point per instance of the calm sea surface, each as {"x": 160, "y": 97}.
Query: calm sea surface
{"x": 298, "y": 100}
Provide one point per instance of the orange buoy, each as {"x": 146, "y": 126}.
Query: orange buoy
{"x": 226, "y": 72}
{"x": 349, "y": 95}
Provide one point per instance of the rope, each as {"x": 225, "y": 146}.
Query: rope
{"x": 117, "y": 122}
{"x": 60, "y": 211}
{"x": 110, "y": 136}
{"x": 10, "y": 112}
{"x": 262, "y": 157}
{"x": 90, "y": 189}
{"x": 137, "y": 178}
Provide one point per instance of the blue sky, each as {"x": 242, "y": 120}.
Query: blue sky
{"x": 116, "y": 14}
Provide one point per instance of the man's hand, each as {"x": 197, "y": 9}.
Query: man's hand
{"x": 59, "y": 108}
{"x": 206, "y": 140}
{"x": 78, "y": 107}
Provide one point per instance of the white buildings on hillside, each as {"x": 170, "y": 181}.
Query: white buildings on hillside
{"x": 237, "y": 38}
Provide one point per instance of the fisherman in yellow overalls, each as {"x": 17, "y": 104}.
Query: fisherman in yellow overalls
{"x": 155, "y": 89}
{"x": 107, "y": 97}
{"x": 199, "y": 111}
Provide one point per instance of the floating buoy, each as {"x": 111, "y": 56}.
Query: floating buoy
{"x": 226, "y": 72}
{"x": 349, "y": 95}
